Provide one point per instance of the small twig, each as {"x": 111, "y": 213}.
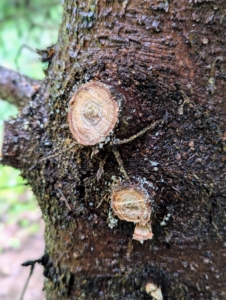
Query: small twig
{"x": 52, "y": 156}
{"x": 100, "y": 171}
{"x": 32, "y": 264}
{"x": 120, "y": 162}
{"x": 101, "y": 201}
{"x": 129, "y": 249}
{"x": 133, "y": 137}
{"x": 59, "y": 153}
{"x": 64, "y": 198}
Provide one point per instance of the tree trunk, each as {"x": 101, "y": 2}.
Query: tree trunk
{"x": 163, "y": 65}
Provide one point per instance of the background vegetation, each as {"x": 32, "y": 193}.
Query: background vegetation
{"x": 25, "y": 25}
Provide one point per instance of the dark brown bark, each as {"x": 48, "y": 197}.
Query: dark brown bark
{"x": 15, "y": 88}
{"x": 168, "y": 60}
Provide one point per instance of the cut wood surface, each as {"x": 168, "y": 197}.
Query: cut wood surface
{"x": 132, "y": 204}
{"x": 93, "y": 113}
{"x": 159, "y": 68}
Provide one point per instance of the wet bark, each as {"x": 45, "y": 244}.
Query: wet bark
{"x": 168, "y": 61}
{"x": 16, "y": 88}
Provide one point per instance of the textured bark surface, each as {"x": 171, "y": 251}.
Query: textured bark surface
{"x": 168, "y": 60}
{"x": 17, "y": 89}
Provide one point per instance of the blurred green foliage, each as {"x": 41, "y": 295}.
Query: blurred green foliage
{"x": 25, "y": 25}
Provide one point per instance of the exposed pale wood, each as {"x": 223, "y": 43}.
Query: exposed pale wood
{"x": 93, "y": 113}
{"x": 142, "y": 232}
{"x": 132, "y": 204}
